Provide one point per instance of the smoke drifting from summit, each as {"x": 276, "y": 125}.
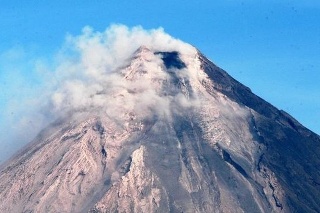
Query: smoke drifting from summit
{"x": 85, "y": 74}
{"x": 91, "y": 72}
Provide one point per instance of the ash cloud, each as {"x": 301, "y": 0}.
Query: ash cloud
{"x": 88, "y": 73}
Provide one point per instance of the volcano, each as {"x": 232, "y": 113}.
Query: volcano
{"x": 172, "y": 133}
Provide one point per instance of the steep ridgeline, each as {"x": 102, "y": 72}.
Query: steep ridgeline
{"x": 181, "y": 135}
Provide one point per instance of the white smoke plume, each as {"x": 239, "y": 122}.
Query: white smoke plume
{"x": 89, "y": 77}
{"x": 88, "y": 73}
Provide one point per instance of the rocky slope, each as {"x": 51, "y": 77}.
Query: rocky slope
{"x": 181, "y": 136}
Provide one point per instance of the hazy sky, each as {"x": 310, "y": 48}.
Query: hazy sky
{"x": 273, "y": 47}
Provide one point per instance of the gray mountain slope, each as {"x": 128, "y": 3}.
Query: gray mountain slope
{"x": 206, "y": 144}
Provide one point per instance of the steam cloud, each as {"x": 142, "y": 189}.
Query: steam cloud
{"x": 85, "y": 75}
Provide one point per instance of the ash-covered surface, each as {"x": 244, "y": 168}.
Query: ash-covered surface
{"x": 189, "y": 141}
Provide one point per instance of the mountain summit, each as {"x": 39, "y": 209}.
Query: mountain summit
{"x": 168, "y": 131}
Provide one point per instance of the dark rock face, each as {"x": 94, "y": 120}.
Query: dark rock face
{"x": 171, "y": 60}
{"x": 293, "y": 158}
{"x": 207, "y": 144}
{"x": 292, "y": 151}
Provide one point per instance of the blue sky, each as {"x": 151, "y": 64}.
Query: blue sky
{"x": 273, "y": 47}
